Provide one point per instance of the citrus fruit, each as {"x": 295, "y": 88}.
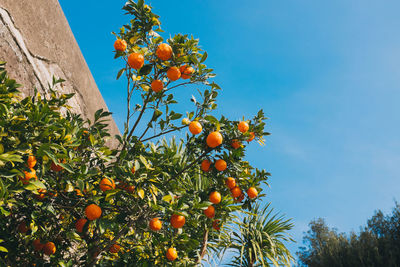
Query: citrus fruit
{"x": 31, "y": 162}
{"x": 230, "y": 182}
{"x": 214, "y": 139}
{"x": 115, "y": 248}
{"x": 210, "y": 212}
{"x": 186, "y": 71}
{"x": 195, "y": 127}
{"x": 177, "y": 221}
{"x": 93, "y": 212}
{"x": 171, "y": 254}
{"x": 157, "y": 86}
{"x": 220, "y": 165}
{"x": 252, "y": 136}
{"x": 164, "y": 51}
{"x": 236, "y": 191}
{"x": 215, "y": 197}
{"x": 136, "y": 60}
{"x": 107, "y": 184}
{"x": 236, "y": 144}
{"x": 243, "y": 126}
{"x": 155, "y": 224}
{"x": 173, "y": 73}
{"x": 252, "y": 192}
{"x": 49, "y": 248}
{"x": 120, "y": 45}
{"x": 80, "y": 224}
{"x": 216, "y": 224}
{"x": 205, "y": 165}
{"x": 37, "y": 245}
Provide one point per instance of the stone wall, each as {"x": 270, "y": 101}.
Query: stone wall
{"x": 37, "y": 44}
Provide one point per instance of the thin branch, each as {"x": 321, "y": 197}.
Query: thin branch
{"x": 203, "y": 248}
{"x": 162, "y": 133}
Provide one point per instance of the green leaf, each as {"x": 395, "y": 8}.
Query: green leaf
{"x": 3, "y": 249}
{"x": 120, "y": 72}
{"x": 146, "y": 69}
{"x": 204, "y": 57}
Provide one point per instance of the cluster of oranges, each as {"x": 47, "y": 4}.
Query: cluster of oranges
{"x": 31, "y": 174}
{"x": 48, "y": 248}
{"x": 164, "y": 52}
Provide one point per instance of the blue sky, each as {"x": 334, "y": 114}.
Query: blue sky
{"x": 327, "y": 74}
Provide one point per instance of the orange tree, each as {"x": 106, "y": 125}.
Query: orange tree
{"x": 67, "y": 198}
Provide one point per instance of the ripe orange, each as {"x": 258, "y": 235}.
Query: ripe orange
{"x": 252, "y": 192}
{"x": 236, "y": 143}
{"x": 173, "y": 73}
{"x": 41, "y": 195}
{"x": 164, "y": 51}
{"x": 252, "y": 136}
{"x": 107, "y": 184}
{"x": 171, "y": 254}
{"x": 205, "y": 165}
{"x": 49, "y": 248}
{"x": 31, "y": 162}
{"x": 22, "y": 228}
{"x": 93, "y": 212}
{"x": 210, "y": 212}
{"x": 230, "y": 182}
{"x": 55, "y": 167}
{"x": 133, "y": 170}
{"x": 115, "y": 248}
{"x": 80, "y": 224}
{"x": 155, "y": 224}
{"x": 216, "y": 225}
{"x": 177, "y": 221}
{"x": 195, "y": 127}
{"x": 28, "y": 176}
{"x": 157, "y": 86}
{"x": 136, "y": 60}
{"x": 243, "y": 126}
{"x": 220, "y": 165}
{"x": 215, "y": 197}
{"x": 186, "y": 71}
{"x": 120, "y": 45}
{"x": 37, "y": 245}
{"x": 214, "y": 139}
{"x": 236, "y": 191}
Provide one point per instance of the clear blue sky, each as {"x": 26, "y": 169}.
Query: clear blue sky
{"x": 327, "y": 73}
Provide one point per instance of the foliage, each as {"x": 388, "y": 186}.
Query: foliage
{"x": 146, "y": 180}
{"x": 377, "y": 243}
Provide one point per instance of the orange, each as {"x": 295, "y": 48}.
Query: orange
{"x": 93, "y": 212}
{"x": 130, "y": 189}
{"x": 195, "y": 127}
{"x": 41, "y": 194}
{"x": 31, "y": 161}
{"x": 28, "y": 176}
{"x": 136, "y": 60}
{"x": 236, "y": 191}
{"x": 120, "y": 45}
{"x": 49, "y": 248}
{"x": 220, "y": 165}
{"x": 157, "y": 86}
{"x": 230, "y": 182}
{"x": 252, "y": 136}
{"x": 133, "y": 170}
{"x": 216, "y": 224}
{"x": 236, "y": 143}
{"x": 205, "y": 165}
{"x": 173, "y": 73}
{"x": 22, "y": 228}
{"x": 240, "y": 198}
{"x": 252, "y": 192}
{"x": 210, "y": 212}
{"x": 171, "y": 254}
{"x": 80, "y": 224}
{"x": 164, "y": 51}
{"x": 177, "y": 221}
{"x": 155, "y": 224}
{"x": 55, "y": 167}
{"x": 37, "y": 245}
{"x": 215, "y": 197}
{"x": 186, "y": 71}
{"x": 243, "y": 126}
{"x": 107, "y": 184}
{"x": 214, "y": 139}
{"x": 115, "y": 248}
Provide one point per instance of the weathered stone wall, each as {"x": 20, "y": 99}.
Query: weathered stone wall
{"x": 37, "y": 44}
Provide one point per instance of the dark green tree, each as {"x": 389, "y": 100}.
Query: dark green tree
{"x": 377, "y": 243}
